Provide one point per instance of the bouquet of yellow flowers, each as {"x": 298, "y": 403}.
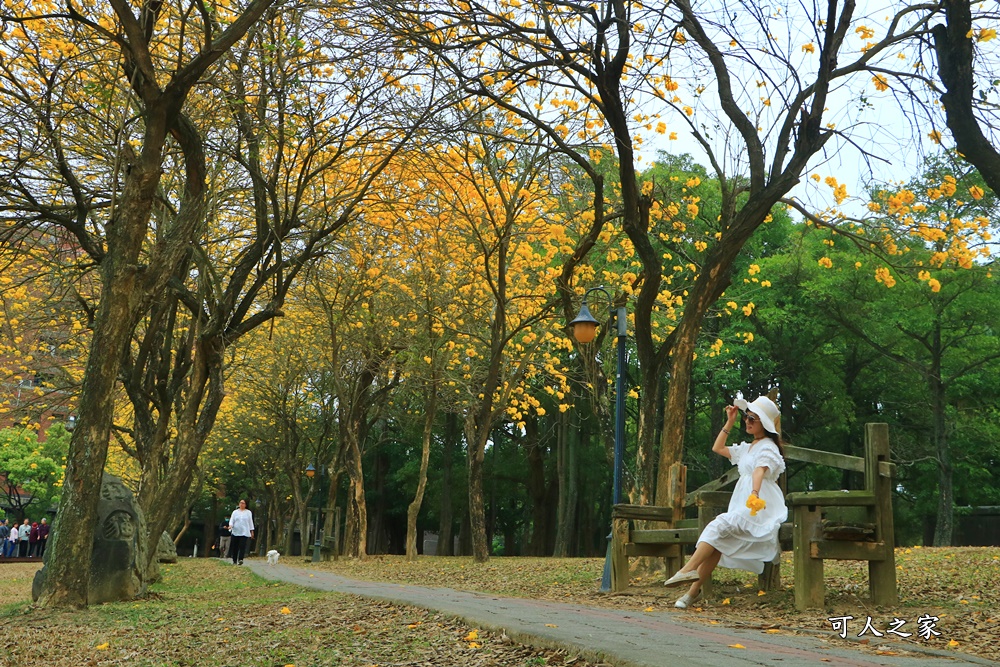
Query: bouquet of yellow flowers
{"x": 755, "y": 504}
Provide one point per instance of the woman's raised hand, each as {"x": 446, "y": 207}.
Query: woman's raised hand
{"x": 732, "y": 412}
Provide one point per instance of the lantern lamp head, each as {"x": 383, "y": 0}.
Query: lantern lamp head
{"x": 584, "y": 325}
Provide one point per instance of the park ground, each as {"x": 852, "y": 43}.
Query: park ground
{"x": 206, "y": 612}
{"x": 958, "y": 585}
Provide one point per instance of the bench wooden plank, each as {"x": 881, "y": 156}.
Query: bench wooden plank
{"x": 654, "y": 550}
{"x": 832, "y": 459}
{"x": 675, "y": 536}
{"x": 642, "y": 512}
{"x": 713, "y": 499}
{"x": 731, "y": 476}
{"x": 832, "y": 498}
{"x": 845, "y": 550}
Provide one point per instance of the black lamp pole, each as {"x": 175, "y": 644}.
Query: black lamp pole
{"x": 584, "y": 329}
{"x": 310, "y": 472}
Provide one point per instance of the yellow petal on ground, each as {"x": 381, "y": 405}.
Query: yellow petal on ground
{"x": 648, "y": 609}
{"x": 474, "y": 645}
{"x": 105, "y": 646}
{"x": 759, "y": 593}
{"x": 772, "y": 631}
{"x": 286, "y": 610}
{"x": 472, "y": 636}
{"x": 726, "y": 601}
{"x": 952, "y": 643}
{"x": 737, "y": 646}
{"x": 551, "y": 625}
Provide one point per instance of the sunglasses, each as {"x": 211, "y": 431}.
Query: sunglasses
{"x": 750, "y": 418}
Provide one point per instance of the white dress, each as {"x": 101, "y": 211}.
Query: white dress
{"x": 747, "y": 542}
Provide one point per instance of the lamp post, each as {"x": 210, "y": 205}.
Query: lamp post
{"x": 310, "y": 473}
{"x": 584, "y": 329}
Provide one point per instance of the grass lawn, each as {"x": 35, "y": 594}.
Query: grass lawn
{"x": 960, "y": 586}
{"x": 208, "y": 614}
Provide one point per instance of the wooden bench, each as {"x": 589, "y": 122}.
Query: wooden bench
{"x": 840, "y": 525}
{"x": 826, "y": 528}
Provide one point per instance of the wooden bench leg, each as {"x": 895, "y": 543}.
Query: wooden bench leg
{"x": 674, "y": 559}
{"x": 882, "y": 580}
{"x": 619, "y": 561}
{"x": 770, "y": 578}
{"x": 809, "y": 585}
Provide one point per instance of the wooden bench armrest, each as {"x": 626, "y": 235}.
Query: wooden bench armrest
{"x": 831, "y": 498}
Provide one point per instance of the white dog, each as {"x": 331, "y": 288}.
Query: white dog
{"x": 272, "y": 557}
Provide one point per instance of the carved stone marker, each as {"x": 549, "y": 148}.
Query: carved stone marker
{"x": 166, "y": 550}
{"x": 118, "y": 547}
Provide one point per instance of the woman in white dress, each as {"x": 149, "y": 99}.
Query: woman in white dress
{"x": 741, "y": 538}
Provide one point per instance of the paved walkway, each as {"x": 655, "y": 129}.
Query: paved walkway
{"x": 623, "y": 638}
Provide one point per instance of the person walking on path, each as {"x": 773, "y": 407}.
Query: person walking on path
{"x": 225, "y": 536}
{"x": 746, "y": 536}
{"x": 23, "y": 535}
{"x": 43, "y": 536}
{"x": 241, "y": 526}
{"x": 4, "y": 537}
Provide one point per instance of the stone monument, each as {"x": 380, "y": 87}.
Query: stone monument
{"x": 119, "y": 547}
{"x": 166, "y": 550}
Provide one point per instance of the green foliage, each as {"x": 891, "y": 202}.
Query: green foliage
{"x": 32, "y": 471}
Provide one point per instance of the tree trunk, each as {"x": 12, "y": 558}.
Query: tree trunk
{"x": 649, "y": 406}
{"x": 944, "y": 527}
{"x": 445, "y": 545}
{"x": 430, "y": 410}
{"x": 955, "y": 51}
{"x": 536, "y": 490}
{"x": 67, "y": 576}
{"x": 567, "y": 440}
{"x": 477, "y": 509}
{"x": 160, "y": 495}
{"x": 358, "y": 548}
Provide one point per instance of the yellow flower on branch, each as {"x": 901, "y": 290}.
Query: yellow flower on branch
{"x": 976, "y": 192}
{"x": 883, "y": 276}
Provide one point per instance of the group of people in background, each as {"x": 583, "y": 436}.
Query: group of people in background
{"x": 27, "y": 540}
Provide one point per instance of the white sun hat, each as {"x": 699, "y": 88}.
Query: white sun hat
{"x": 766, "y": 411}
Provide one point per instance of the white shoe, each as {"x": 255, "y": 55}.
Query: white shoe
{"x": 685, "y": 601}
{"x": 682, "y": 578}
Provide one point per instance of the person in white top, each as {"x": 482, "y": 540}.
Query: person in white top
{"x": 11, "y": 545}
{"x": 746, "y": 535}
{"x": 241, "y": 525}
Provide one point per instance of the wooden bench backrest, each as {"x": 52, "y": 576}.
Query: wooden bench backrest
{"x": 874, "y": 464}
